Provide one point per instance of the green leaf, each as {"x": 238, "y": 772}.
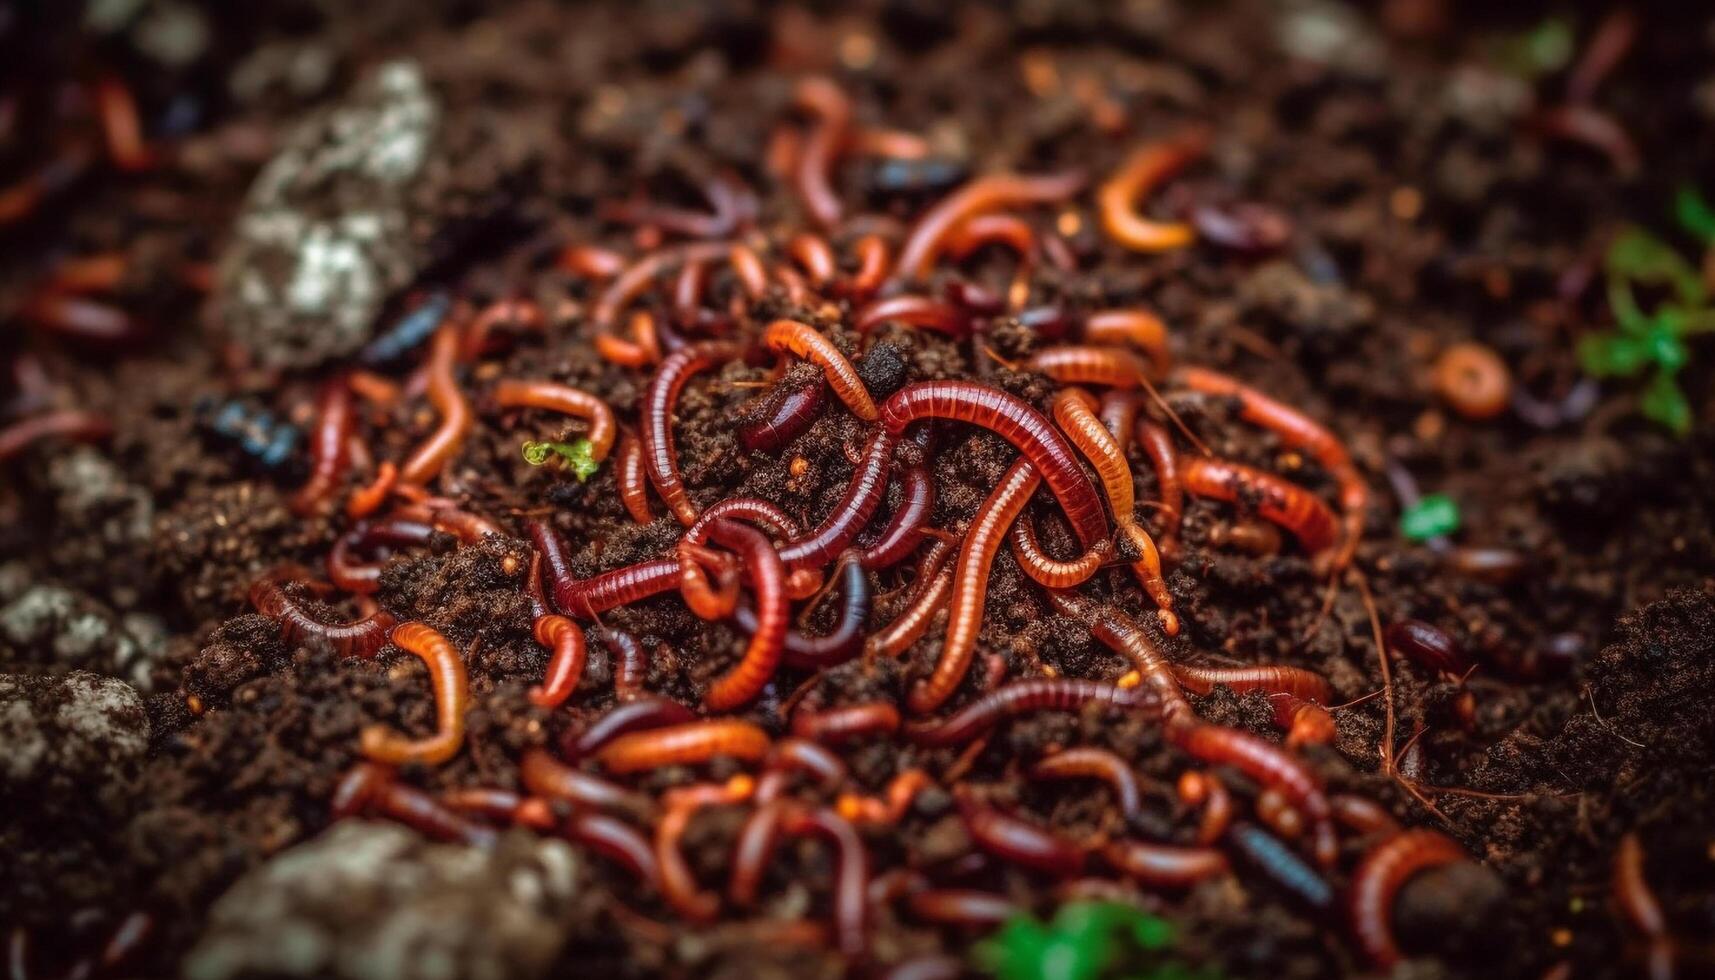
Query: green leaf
{"x": 1542, "y": 50}
{"x": 1434, "y": 516}
{"x": 576, "y": 455}
{"x": 1640, "y": 256}
{"x": 1694, "y": 214}
{"x": 1605, "y": 355}
{"x": 1086, "y": 941}
{"x": 1665, "y": 404}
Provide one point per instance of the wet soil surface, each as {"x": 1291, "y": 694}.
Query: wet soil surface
{"x": 318, "y": 171}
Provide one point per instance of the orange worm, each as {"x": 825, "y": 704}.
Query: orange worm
{"x": 1139, "y": 328}
{"x": 814, "y": 256}
{"x": 874, "y": 260}
{"x": 633, "y": 479}
{"x": 590, "y": 262}
{"x": 565, "y": 665}
{"x": 1089, "y": 761}
{"x": 378, "y": 391}
{"x": 456, "y": 417}
{"x": 1286, "y": 504}
{"x": 678, "y": 745}
{"x": 1164, "y": 865}
{"x": 566, "y": 399}
{"x": 522, "y": 312}
{"x": 707, "y": 601}
{"x": 678, "y": 884}
{"x": 381, "y": 743}
{"x": 635, "y": 278}
{"x": 891, "y": 144}
{"x": 984, "y": 194}
{"x": 120, "y": 126}
{"x": 1206, "y": 790}
{"x": 1051, "y": 572}
{"x": 1080, "y": 364}
{"x": 1379, "y": 877}
{"x": 1149, "y": 166}
{"x": 1473, "y": 379}
{"x": 801, "y": 339}
{"x": 821, "y": 148}
{"x": 910, "y": 625}
{"x": 748, "y": 267}
{"x": 1305, "y": 722}
{"x": 1157, "y": 444}
{"x": 1296, "y": 681}
{"x": 1269, "y": 765}
{"x": 767, "y": 574}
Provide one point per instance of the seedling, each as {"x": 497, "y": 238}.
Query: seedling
{"x": 1434, "y": 516}
{"x": 573, "y": 455}
{"x": 1085, "y": 941}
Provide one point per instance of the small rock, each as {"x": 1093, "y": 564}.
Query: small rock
{"x": 54, "y": 627}
{"x": 375, "y": 901}
{"x": 77, "y": 734}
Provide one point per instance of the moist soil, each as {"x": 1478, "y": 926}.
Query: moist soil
{"x": 1424, "y": 210}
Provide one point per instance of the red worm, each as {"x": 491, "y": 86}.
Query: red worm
{"x": 1139, "y": 328}
{"x": 814, "y": 256}
{"x": 970, "y": 585}
{"x": 456, "y": 418}
{"x": 853, "y": 511}
{"x": 631, "y": 667}
{"x": 1011, "y": 839}
{"x": 1206, "y": 790}
{"x": 68, "y": 424}
{"x": 633, "y": 479}
{"x": 961, "y": 907}
{"x": 851, "y": 875}
{"x": 547, "y": 777}
{"x": 688, "y": 291}
{"x": 847, "y": 722}
{"x": 617, "y": 841}
{"x": 1048, "y": 571}
{"x": 903, "y": 531}
{"x": 1428, "y": 646}
{"x": 1363, "y": 815}
{"x": 746, "y": 680}
{"x": 508, "y": 312}
{"x": 843, "y": 642}
{"x": 1158, "y": 445}
{"x": 802, "y": 339}
{"x": 1126, "y": 637}
{"x": 983, "y": 230}
{"x": 422, "y": 812}
{"x": 81, "y": 319}
{"x": 660, "y": 456}
{"x": 1296, "y": 681}
{"x": 642, "y": 350}
{"x": 565, "y": 665}
{"x": 590, "y": 262}
{"x": 352, "y": 574}
{"x": 1305, "y": 722}
{"x": 635, "y": 278}
{"x": 874, "y": 261}
{"x": 562, "y": 398}
{"x": 1164, "y": 865}
{"x": 1017, "y": 423}
{"x": 591, "y": 596}
{"x": 356, "y": 639}
{"x": 355, "y": 789}
{"x": 328, "y": 450}
{"x": 452, "y": 700}
{"x": 634, "y": 716}
{"x": 368, "y": 499}
{"x": 786, "y": 414}
{"x": 1077, "y": 364}
{"x": 120, "y": 126}
{"x": 916, "y": 311}
{"x": 1641, "y": 908}
{"x": 752, "y": 851}
{"x": 1021, "y": 697}
{"x": 678, "y": 884}
{"x": 707, "y": 601}
{"x": 1277, "y": 501}
{"x": 1299, "y": 431}
{"x": 748, "y": 267}
{"x": 1379, "y": 877}
{"x": 732, "y": 204}
{"x": 1269, "y": 765}
{"x": 1088, "y": 761}
{"x": 678, "y": 745}
{"x": 910, "y": 625}
{"x": 982, "y": 195}
{"x": 1149, "y": 166}
{"x": 752, "y": 510}
{"x": 488, "y": 801}
{"x": 821, "y": 149}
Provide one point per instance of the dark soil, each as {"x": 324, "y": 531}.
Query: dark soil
{"x": 1424, "y": 207}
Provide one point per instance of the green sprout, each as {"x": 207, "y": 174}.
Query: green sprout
{"x": 1087, "y": 940}
{"x": 1654, "y": 340}
{"x": 1434, "y": 516}
{"x": 575, "y": 455}
{"x": 1542, "y": 50}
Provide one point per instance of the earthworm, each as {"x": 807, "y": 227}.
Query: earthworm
{"x": 970, "y": 585}
{"x": 688, "y": 292}
{"x": 752, "y": 510}
{"x": 746, "y": 680}
{"x": 814, "y": 255}
{"x": 1258, "y": 539}
{"x": 1021, "y": 697}
{"x": 636, "y": 277}
{"x": 1363, "y": 815}
{"x": 910, "y": 625}
{"x": 554, "y": 397}
{"x": 520, "y": 312}
{"x": 489, "y": 801}
{"x": 441, "y": 514}
{"x": 367, "y": 499}
{"x": 617, "y": 841}
{"x": 1269, "y": 765}
{"x": 632, "y": 478}
{"x": 1427, "y": 645}
{"x": 917, "y": 311}
{"x": 788, "y": 412}
{"x": 1497, "y": 566}
{"x": 874, "y": 259}
{"x": 590, "y": 261}
{"x": 678, "y": 884}
{"x": 854, "y": 509}
{"x": 1296, "y": 681}
{"x": 1281, "y": 864}
{"x": 1474, "y": 380}
{"x": 355, "y": 639}
{"x": 843, "y": 642}
{"x": 1278, "y": 501}
{"x": 1164, "y": 865}
{"x": 1206, "y": 790}
{"x": 677, "y": 745}
{"x": 81, "y": 319}
{"x": 1079, "y": 364}
{"x": 748, "y": 267}
{"x": 380, "y": 392}
{"x": 1015, "y": 841}
{"x": 1379, "y": 877}
{"x": 351, "y": 795}
{"x": 1641, "y": 908}
{"x": 903, "y": 530}
{"x": 630, "y": 717}
{"x": 329, "y": 456}
{"x": 1609, "y": 43}
{"x": 821, "y": 148}
{"x": 851, "y": 874}
{"x": 1100, "y": 764}
{"x": 984, "y": 194}
{"x": 1126, "y": 637}
{"x": 591, "y": 596}
{"x": 982, "y": 230}
{"x": 731, "y": 205}
{"x": 120, "y": 128}
{"x": 890, "y": 144}
{"x": 706, "y": 601}
{"x": 66, "y": 424}
{"x": 452, "y": 699}
{"x": 21, "y": 199}
{"x": 456, "y": 417}
{"x": 890, "y": 808}
{"x": 422, "y": 812}
{"x": 565, "y": 665}
{"x": 1593, "y": 128}
{"x": 1050, "y": 572}
{"x": 346, "y": 571}
{"x": 1016, "y": 422}
{"x": 660, "y": 457}
{"x": 643, "y": 349}
{"x": 1299, "y": 431}
{"x": 847, "y": 722}
{"x": 1146, "y": 168}
{"x": 1139, "y": 328}
{"x": 631, "y": 667}
{"x": 800, "y": 338}
{"x": 1305, "y": 722}
{"x": 961, "y": 907}
{"x": 1158, "y": 446}
{"x": 752, "y": 851}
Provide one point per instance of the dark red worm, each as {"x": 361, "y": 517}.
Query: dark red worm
{"x": 792, "y": 754}
{"x": 634, "y": 716}
{"x": 851, "y": 874}
{"x": 592, "y": 596}
{"x": 787, "y": 414}
{"x": 821, "y": 148}
{"x": 660, "y": 457}
{"x": 916, "y": 311}
{"x": 1157, "y": 444}
{"x": 1361, "y": 814}
{"x": 1011, "y": 839}
{"x": 1091, "y": 762}
{"x": 355, "y": 639}
{"x": 69, "y": 424}
{"x": 352, "y": 574}
{"x": 1022, "y": 697}
{"x": 633, "y": 479}
{"x": 847, "y": 722}
{"x": 617, "y": 841}
{"x": 1378, "y": 879}
{"x": 676, "y": 745}
{"x": 982, "y": 195}
{"x": 1164, "y": 865}
{"x": 1269, "y": 765}
{"x": 351, "y": 795}
{"x": 752, "y": 851}
{"x": 1206, "y": 790}
{"x": 631, "y": 663}
{"x": 678, "y": 883}
{"x": 635, "y": 278}
{"x": 1016, "y": 422}
{"x": 844, "y": 642}
{"x": 547, "y": 777}
{"x": 967, "y": 908}
{"x": 1282, "y": 864}
{"x": 1286, "y": 504}
{"x": 902, "y": 533}
{"x": 745, "y": 681}
{"x": 1427, "y": 645}
{"x": 854, "y": 509}
{"x": 565, "y": 664}
{"x": 1642, "y": 910}
{"x": 422, "y": 812}
{"x": 329, "y": 455}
